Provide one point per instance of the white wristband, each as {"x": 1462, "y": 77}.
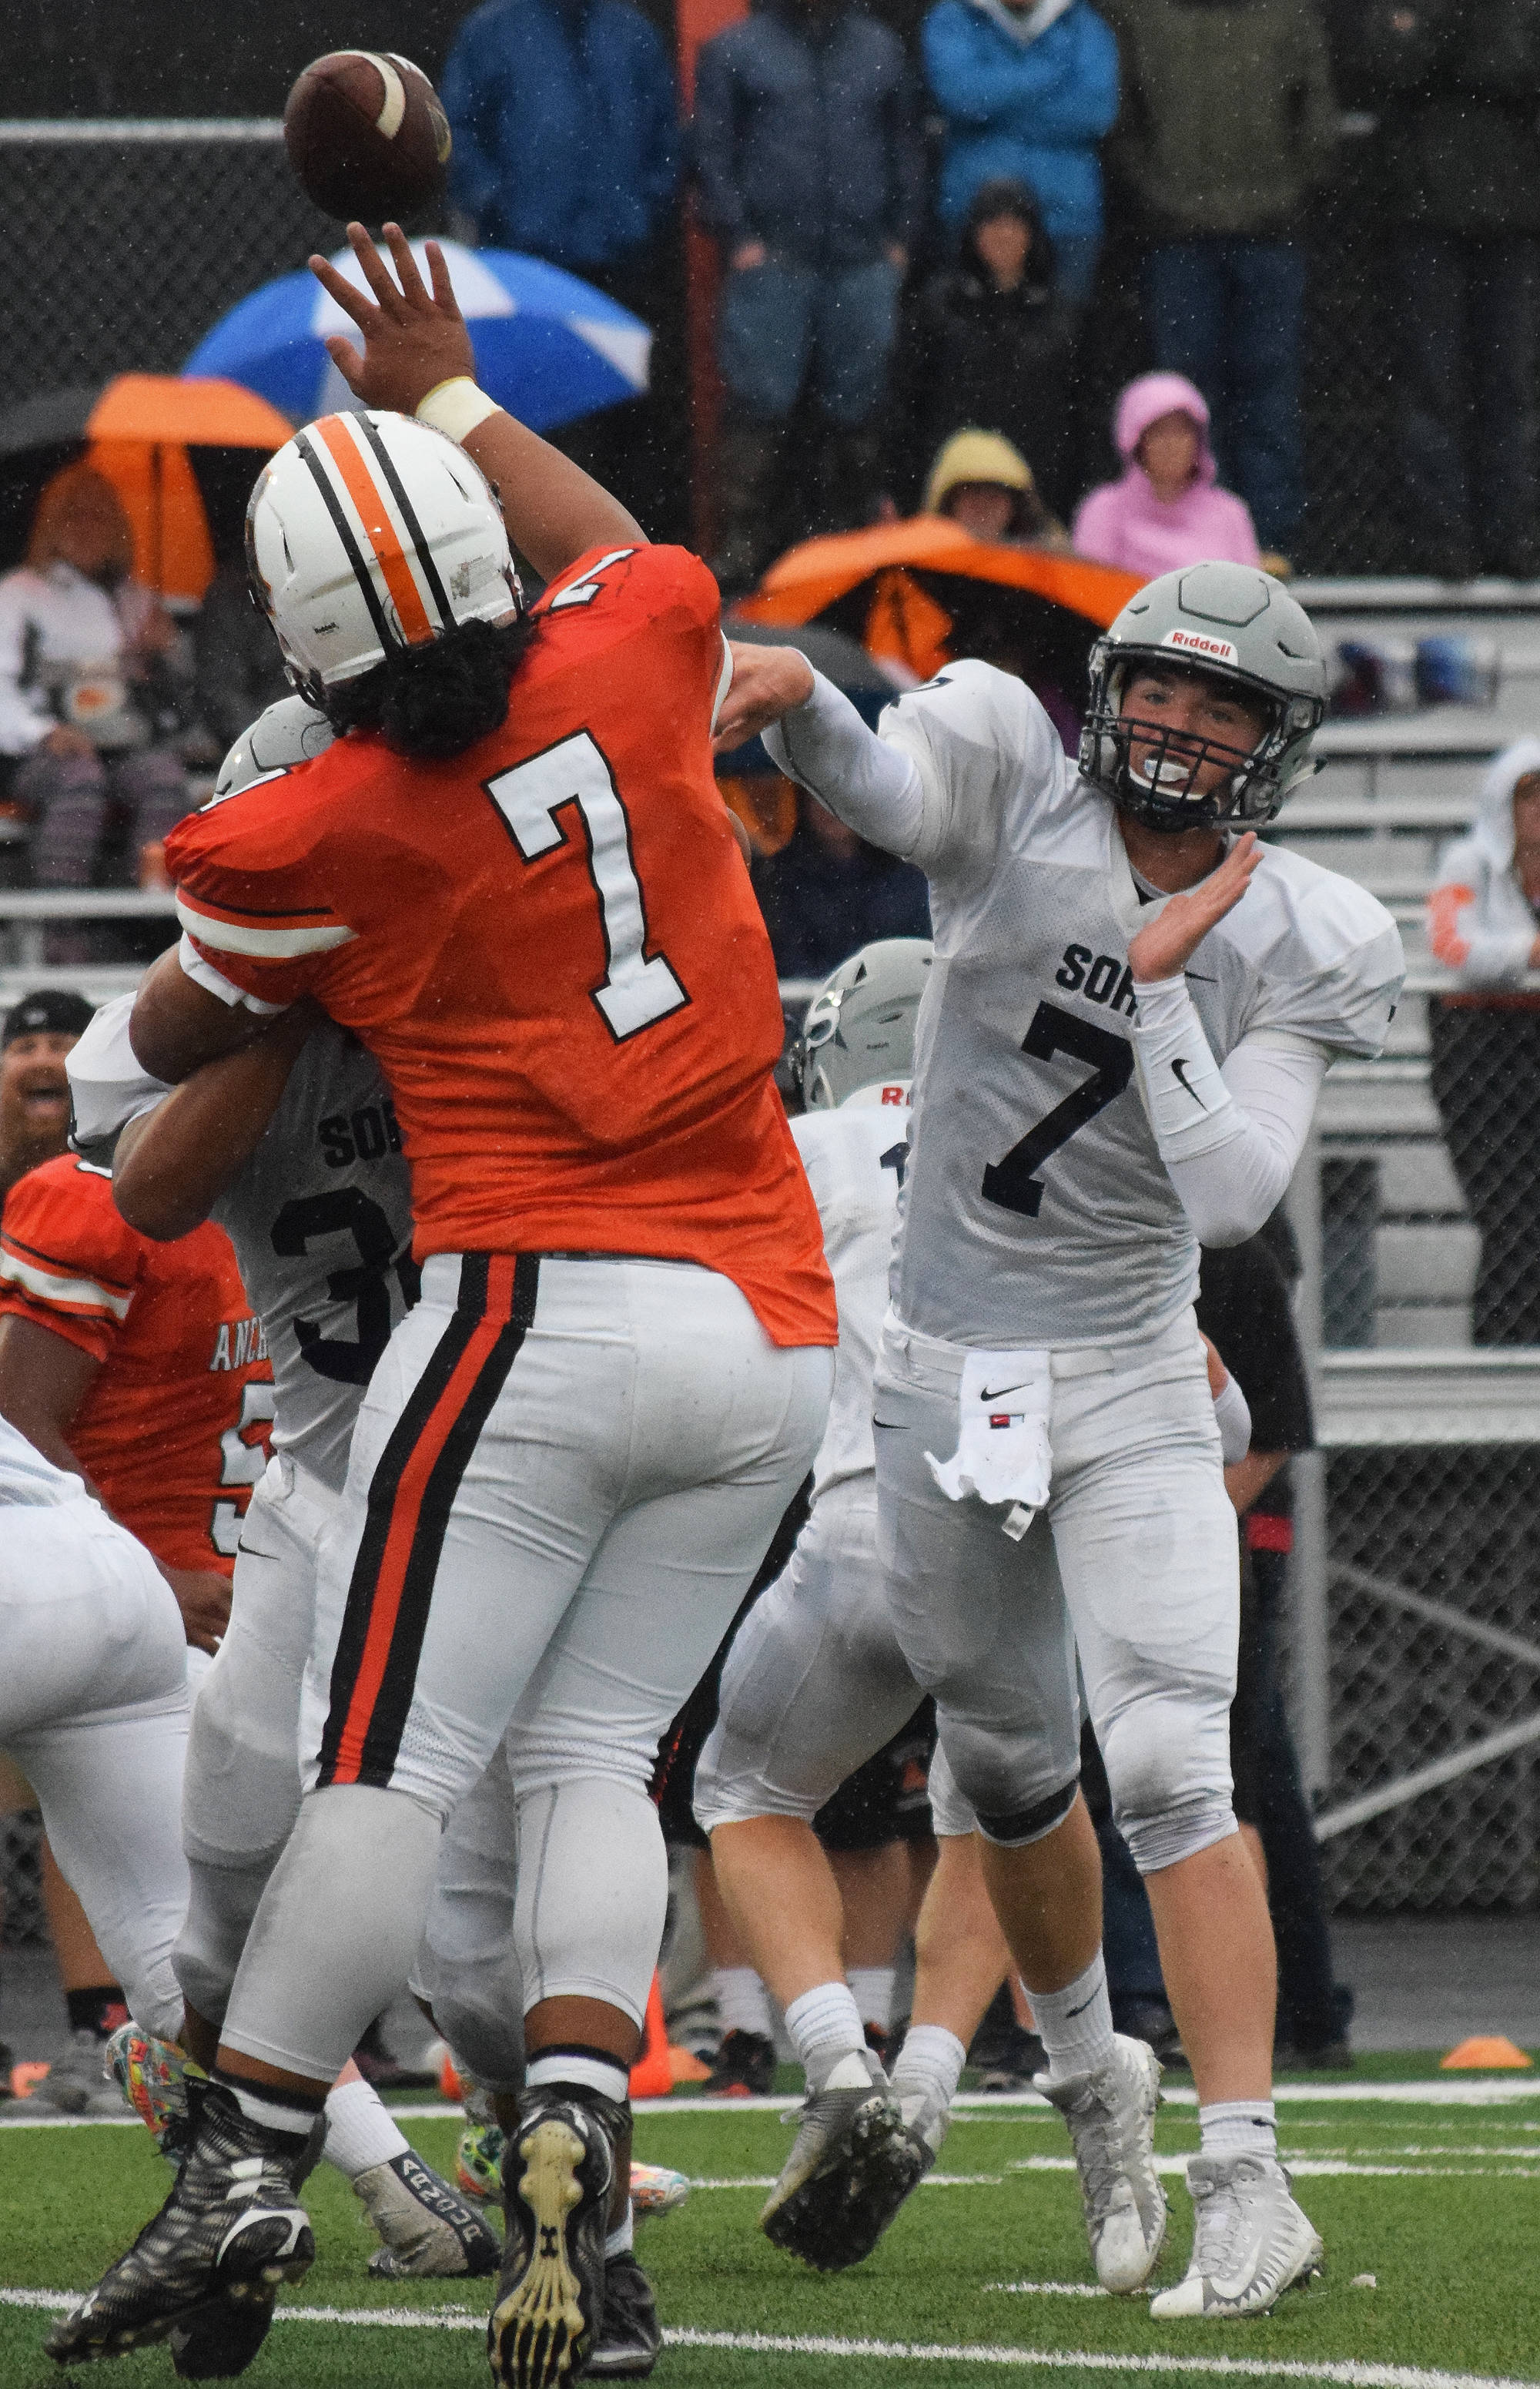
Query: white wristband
{"x": 456, "y": 407}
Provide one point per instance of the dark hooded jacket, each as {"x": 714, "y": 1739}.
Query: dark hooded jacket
{"x": 1456, "y": 87}
{"x": 807, "y": 136}
{"x": 997, "y": 360}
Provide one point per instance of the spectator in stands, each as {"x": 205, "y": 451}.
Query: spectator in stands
{"x": 988, "y": 340}
{"x": 1026, "y": 91}
{"x": 980, "y": 482}
{"x": 1229, "y": 125}
{"x": 1456, "y": 84}
{"x": 84, "y": 653}
{"x": 826, "y": 892}
{"x": 1483, "y": 924}
{"x": 811, "y": 179}
{"x": 34, "y": 1091}
{"x": 565, "y": 130}
{"x": 566, "y": 146}
{"x": 1167, "y": 509}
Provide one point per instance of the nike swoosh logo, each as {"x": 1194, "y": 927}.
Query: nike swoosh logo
{"x": 1238, "y": 2282}
{"x": 992, "y": 1394}
{"x": 1080, "y": 2010}
{"x": 1203, "y": 977}
{"x": 1178, "y": 1070}
{"x": 893, "y": 1426}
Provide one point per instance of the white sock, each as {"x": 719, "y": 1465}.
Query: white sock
{"x": 872, "y": 1988}
{"x": 1235, "y": 2127}
{"x": 824, "y": 2024}
{"x": 360, "y": 2129}
{"x": 931, "y": 2059}
{"x": 742, "y": 2003}
{"x": 587, "y": 2068}
{"x": 1075, "y": 2025}
{"x": 619, "y": 2239}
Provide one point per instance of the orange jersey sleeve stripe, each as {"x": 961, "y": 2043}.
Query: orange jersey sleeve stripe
{"x": 409, "y": 1498}
{"x": 340, "y": 438}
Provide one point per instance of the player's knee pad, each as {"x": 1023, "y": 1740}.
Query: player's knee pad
{"x": 1000, "y": 1776}
{"x": 478, "y": 2007}
{"x": 1168, "y": 1761}
{"x": 592, "y": 1893}
{"x": 240, "y": 1794}
{"x": 221, "y": 1903}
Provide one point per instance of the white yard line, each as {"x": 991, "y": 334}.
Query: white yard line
{"x": 1330, "y": 2166}
{"x": 753, "y": 2342}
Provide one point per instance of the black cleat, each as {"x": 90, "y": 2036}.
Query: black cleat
{"x": 744, "y": 2067}
{"x": 557, "y": 2172}
{"x": 629, "y": 2340}
{"x": 205, "y": 2272}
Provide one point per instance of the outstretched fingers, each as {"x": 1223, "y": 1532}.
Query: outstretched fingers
{"x": 413, "y": 289}
{"x": 348, "y": 295}
{"x": 389, "y": 293}
{"x": 443, "y": 289}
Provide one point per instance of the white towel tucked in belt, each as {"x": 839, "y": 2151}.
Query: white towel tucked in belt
{"x": 1002, "y": 1447}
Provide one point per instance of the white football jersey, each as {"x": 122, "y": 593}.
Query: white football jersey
{"x": 29, "y": 1481}
{"x": 1037, "y": 1211}
{"x": 854, "y": 1159}
{"x": 320, "y": 1217}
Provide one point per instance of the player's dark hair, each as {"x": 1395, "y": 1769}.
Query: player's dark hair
{"x": 434, "y": 701}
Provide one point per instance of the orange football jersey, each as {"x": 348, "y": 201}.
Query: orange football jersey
{"x": 552, "y": 946}
{"x": 172, "y": 1429}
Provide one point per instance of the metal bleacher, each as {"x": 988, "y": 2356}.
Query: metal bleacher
{"x": 1393, "y": 789}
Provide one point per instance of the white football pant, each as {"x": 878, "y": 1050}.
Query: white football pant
{"x": 1136, "y": 1563}
{"x": 563, "y": 1477}
{"x": 93, "y": 1710}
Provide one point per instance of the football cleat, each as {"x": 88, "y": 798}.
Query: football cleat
{"x": 846, "y": 2164}
{"x": 744, "y": 2067}
{"x": 1111, "y": 2114}
{"x": 205, "y": 2271}
{"x": 557, "y": 2173}
{"x": 151, "y": 2076}
{"x": 78, "y": 2082}
{"x": 629, "y": 2340}
{"x": 1249, "y": 2241}
{"x": 428, "y": 2229}
{"x": 478, "y": 2163}
{"x": 657, "y": 2189}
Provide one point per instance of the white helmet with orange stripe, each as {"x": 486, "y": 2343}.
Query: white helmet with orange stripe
{"x": 368, "y": 534}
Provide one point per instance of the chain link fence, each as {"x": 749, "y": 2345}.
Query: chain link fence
{"x": 124, "y": 243}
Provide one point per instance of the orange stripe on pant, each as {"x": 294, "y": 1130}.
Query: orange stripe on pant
{"x": 405, "y": 1512}
{"x": 369, "y": 505}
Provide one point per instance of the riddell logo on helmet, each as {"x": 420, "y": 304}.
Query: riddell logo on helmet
{"x": 1198, "y": 643}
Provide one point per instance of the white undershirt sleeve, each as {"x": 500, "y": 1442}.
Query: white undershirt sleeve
{"x": 874, "y": 787}
{"x": 1229, "y": 1138}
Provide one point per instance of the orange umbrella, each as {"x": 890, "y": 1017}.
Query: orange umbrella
{"x": 918, "y": 593}
{"x": 148, "y": 433}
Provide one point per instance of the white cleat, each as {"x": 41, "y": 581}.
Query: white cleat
{"x": 1251, "y": 2242}
{"x": 1111, "y": 2114}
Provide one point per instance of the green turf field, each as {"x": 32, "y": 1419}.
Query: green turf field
{"x": 987, "y": 2265}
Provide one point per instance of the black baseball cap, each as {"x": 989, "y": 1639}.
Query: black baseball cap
{"x": 52, "y": 1010}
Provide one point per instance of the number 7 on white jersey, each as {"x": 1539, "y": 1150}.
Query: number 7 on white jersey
{"x": 635, "y": 991}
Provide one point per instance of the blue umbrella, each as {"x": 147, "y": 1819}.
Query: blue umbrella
{"x": 547, "y": 347}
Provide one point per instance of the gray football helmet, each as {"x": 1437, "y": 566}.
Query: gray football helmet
{"x": 1230, "y": 623}
{"x": 860, "y": 1027}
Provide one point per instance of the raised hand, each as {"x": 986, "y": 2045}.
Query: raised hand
{"x": 413, "y": 337}
{"x": 767, "y": 683}
{"x": 1169, "y": 942}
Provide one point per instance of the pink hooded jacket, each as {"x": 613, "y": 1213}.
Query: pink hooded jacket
{"x": 1125, "y": 523}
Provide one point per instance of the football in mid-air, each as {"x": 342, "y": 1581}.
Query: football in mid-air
{"x": 366, "y": 135}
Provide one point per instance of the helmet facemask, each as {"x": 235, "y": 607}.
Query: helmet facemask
{"x": 1162, "y": 793}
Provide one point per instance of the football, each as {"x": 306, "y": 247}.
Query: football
{"x": 366, "y": 135}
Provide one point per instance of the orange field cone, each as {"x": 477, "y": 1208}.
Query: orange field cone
{"x": 653, "y": 2075}
{"x": 1486, "y": 2054}
{"x": 685, "y": 2066}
